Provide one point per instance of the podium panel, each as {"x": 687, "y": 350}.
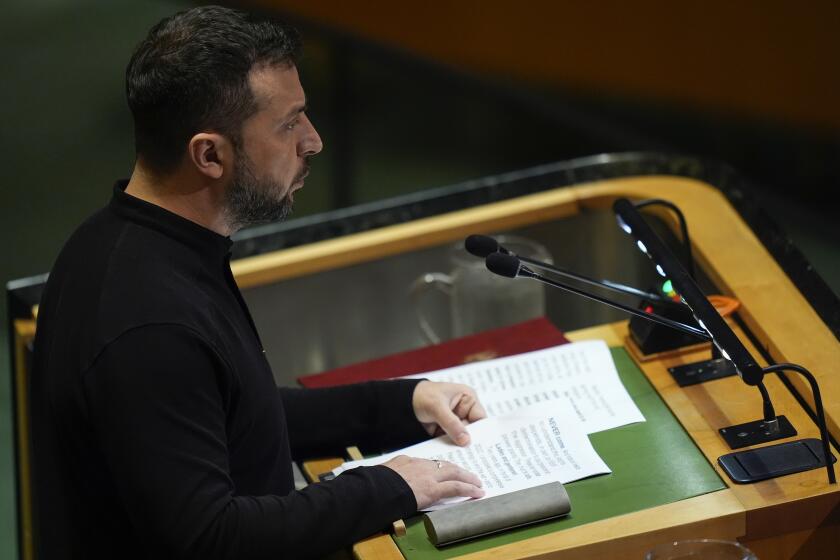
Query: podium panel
{"x": 358, "y": 280}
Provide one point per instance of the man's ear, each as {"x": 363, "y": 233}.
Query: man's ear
{"x": 211, "y": 154}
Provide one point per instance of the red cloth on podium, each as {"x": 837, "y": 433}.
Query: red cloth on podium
{"x": 527, "y": 336}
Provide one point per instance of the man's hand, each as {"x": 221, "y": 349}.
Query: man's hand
{"x": 435, "y": 480}
{"x": 446, "y": 408}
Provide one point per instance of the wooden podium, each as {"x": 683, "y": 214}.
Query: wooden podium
{"x": 788, "y": 517}
{"x": 796, "y": 516}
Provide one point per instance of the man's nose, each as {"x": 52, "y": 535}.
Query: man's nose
{"x": 311, "y": 143}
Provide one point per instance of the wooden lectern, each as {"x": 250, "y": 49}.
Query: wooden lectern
{"x": 795, "y": 516}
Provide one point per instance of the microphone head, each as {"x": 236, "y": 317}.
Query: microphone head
{"x": 503, "y": 265}
{"x": 480, "y": 245}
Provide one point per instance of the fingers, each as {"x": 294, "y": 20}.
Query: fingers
{"x": 432, "y": 481}
{"x": 455, "y": 488}
{"x": 451, "y": 424}
{"x": 463, "y": 405}
{"x": 452, "y": 472}
{"x": 446, "y": 407}
{"x": 469, "y": 408}
{"x": 454, "y": 481}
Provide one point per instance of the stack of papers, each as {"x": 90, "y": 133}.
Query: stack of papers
{"x": 541, "y": 407}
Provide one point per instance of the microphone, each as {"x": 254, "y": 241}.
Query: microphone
{"x": 483, "y": 246}
{"x": 510, "y": 266}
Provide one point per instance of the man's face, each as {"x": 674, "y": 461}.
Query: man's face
{"x": 272, "y": 161}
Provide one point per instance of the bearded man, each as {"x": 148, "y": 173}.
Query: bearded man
{"x": 158, "y": 429}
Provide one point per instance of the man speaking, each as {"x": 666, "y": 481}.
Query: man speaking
{"x": 158, "y": 430}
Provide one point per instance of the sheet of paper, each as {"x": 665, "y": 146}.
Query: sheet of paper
{"x": 579, "y": 378}
{"x": 512, "y": 452}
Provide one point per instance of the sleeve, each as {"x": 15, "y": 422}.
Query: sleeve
{"x": 376, "y": 416}
{"x": 157, "y": 405}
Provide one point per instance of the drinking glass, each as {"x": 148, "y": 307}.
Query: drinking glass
{"x": 700, "y": 549}
{"x": 479, "y": 299}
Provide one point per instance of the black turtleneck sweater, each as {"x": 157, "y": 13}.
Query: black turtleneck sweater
{"x": 158, "y": 429}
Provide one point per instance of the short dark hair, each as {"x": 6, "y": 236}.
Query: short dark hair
{"x": 191, "y": 74}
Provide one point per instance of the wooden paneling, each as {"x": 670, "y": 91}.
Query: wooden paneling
{"x": 766, "y": 59}
{"x": 24, "y": 333}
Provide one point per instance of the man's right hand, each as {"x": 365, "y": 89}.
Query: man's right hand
{"x": 435, "y": 480}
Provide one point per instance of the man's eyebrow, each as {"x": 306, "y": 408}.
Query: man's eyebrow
{"x": 302, "y": 108}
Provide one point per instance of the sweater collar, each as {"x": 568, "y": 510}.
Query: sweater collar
{"x": 203, "y": 240}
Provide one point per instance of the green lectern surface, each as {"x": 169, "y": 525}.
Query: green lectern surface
{"x": 653, "y": 463}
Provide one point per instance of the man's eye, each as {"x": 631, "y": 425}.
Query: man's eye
{"x": 292, "y": 125}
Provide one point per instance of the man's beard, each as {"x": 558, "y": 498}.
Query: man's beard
{"x": 252, "y": 200}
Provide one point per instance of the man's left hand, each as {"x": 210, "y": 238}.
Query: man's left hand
{"x": 445, "y": 408}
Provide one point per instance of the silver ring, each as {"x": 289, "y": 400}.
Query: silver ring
{"x": 439, "y": 464}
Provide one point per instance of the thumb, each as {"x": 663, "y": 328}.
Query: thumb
{"x": 452, "y": 425}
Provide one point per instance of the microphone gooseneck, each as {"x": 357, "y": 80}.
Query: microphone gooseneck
{"x": 483, "y": 246}
{"x": 510, "y": 266}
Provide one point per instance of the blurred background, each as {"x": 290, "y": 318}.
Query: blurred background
{"x": 409, "y": 96}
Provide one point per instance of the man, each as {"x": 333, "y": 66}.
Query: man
{"x": 158, "y": 430}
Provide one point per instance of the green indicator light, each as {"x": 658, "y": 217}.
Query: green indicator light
{"x": 667, "y": 287}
